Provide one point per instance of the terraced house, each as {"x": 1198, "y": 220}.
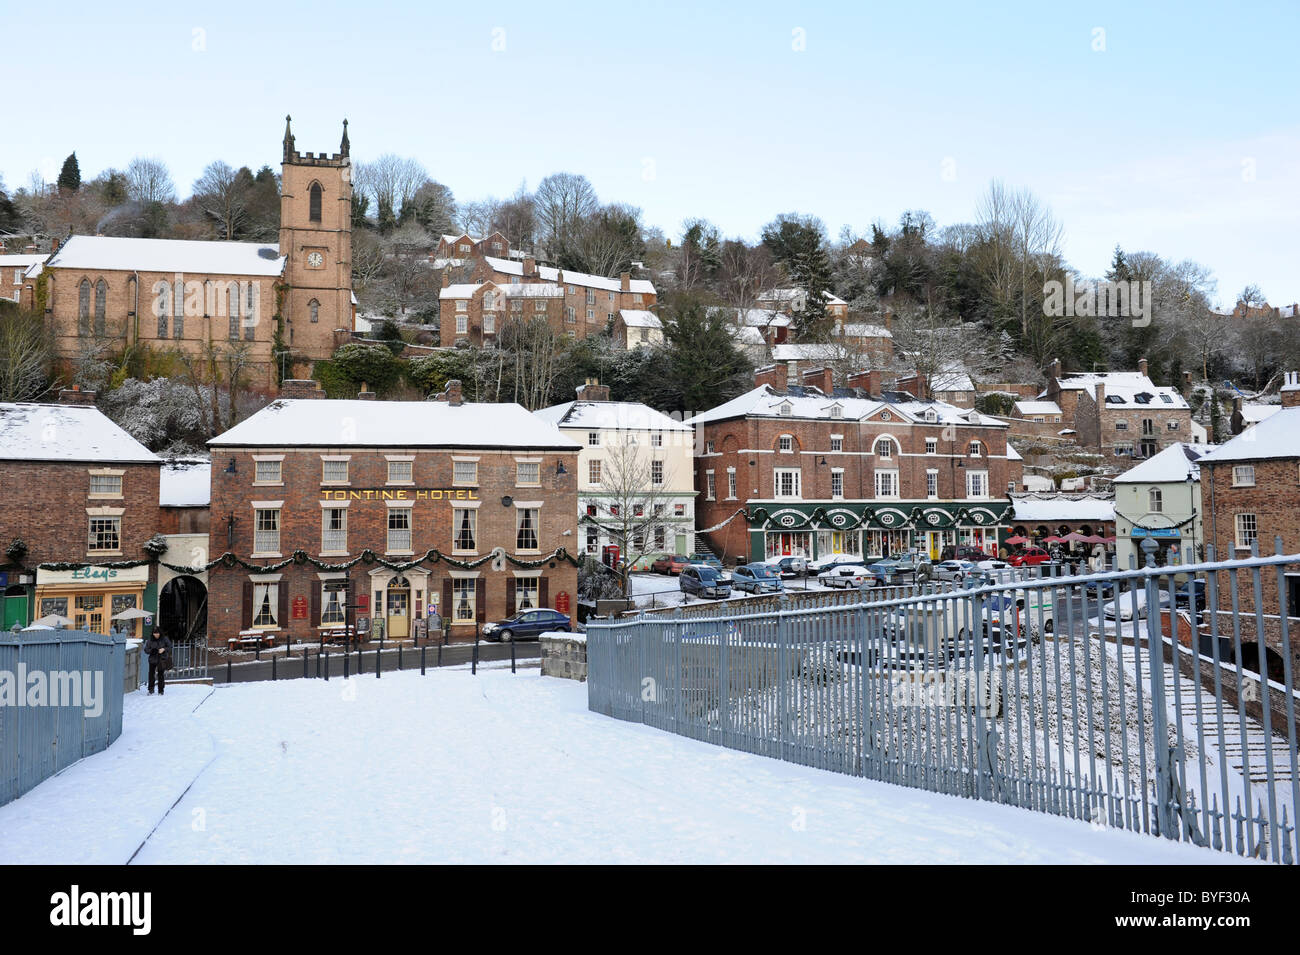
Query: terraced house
{"x": 1122, "y": 413}
{"x": 814, "y": 469}
{"x": 488, "y": 486}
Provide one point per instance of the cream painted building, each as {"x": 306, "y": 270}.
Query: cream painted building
{"x": 621, "y": 441}
{"x": 1160, "y": 499}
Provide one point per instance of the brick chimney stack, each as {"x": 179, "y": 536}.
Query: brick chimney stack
{"x": 446, "y": 278}
{"x": 1054, "y": 370}
{"x": 451, "y": 394}
{"x": 1187, "y": 383}
{"x": 625, "y": 281}
{"x": 775, "y": 376}
{"x": 1291, "y": 389}
{"x": 820, "y": 378}
{"x": 1142, "y": 366}
{"x": 530, "y": 267}
{"x": 301, "y": 388}
{"x": 75, "y": 396}
{"x": 593, "y": 390}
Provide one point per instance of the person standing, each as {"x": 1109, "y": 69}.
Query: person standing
{"x": 159, "y": 649}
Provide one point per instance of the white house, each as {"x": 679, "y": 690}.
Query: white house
{"x": 1160, "y": 499}
{"x": 620, "y": 441}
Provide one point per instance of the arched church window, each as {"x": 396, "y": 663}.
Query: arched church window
{"x": 314, "y": 202}
{"x": 162, "y": 305}
{"x": 101, "y": 307}
{"x": 83, "y": 307}
{"x": 313, "y": 307}
{"x": 232, "y": 307}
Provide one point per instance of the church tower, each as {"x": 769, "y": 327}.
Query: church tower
{"x": 316, "y": 237}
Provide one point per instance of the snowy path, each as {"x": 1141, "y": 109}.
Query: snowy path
{"x": 495, "y": 768}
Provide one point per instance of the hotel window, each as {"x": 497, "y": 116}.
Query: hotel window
{"x": 105, "y": 534}
{"x": 462, "y": 324}
{"x": 884, "y": 448}
{"x": 106, "y": 485}
{"x": 932, "y": 483}
{"x": 593, "y": 439}
{"x": 332, "y": 611}
{"x": 974, "y": 449}
{"x": 266, "y": 530}
{"x": 977, "y": 484}
{"x": 837, "y": 443}
{"x": 785, "y": 482}
{"x": 334, "y": 471}
{"x": 593, "y": 471}
{"x": 837, "y": 483}
{"x": 465, "y": 525}
{"x": 462, "y": 590}
{"x": 657, "y": 473}
{"x": 1243, "y": 475}
{"x": 1155, "y": 500}
{"x": 931, "y": 445}
{"x": 886, "y": 484}
{"x": 399, "y": 530}
{"x": 731, "y": 484}
{"x": 528, "y": 472}
{"x": 266, "y": 598}
{"x": 267, "y": 472}
{"x": 710, "y": 486}
{"x": 656, "y": 440}
{"x": 334, "y": 530}
{"x": 526, "y": 590}
{"x": 464, "y": 472}
{"x": 526, "y": 529}
{"x": 786, "y": 443}
{"x": 401, "y": 472}
{"x": 1247, "y": 531}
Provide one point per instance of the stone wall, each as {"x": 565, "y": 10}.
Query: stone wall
{"x": 564, "y": 655}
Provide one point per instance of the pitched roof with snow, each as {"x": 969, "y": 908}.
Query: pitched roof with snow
{"x": 549, "y": 274}
{"x": 114, "y": 253}
{"x": 639, "y": 318}
{"x": 1067, "y": 509}
{"x": 50, "y": 432}
{"x": 1255, "y": 413}
{"x": 609, "y": 415}
{"x": 1129, "y": 389}
{"x": 320, "y": 423}
{"x": 20, "y": 261}
{"x": 761, "y": 318}
{"x": 185, "y": 484}
{"x": 1172, "y": 465}
{"x": 865, "y": 330}
{"x": 764, "y": 402}
{"x": 1025, "y": 408}
{"x": 1277, "y": 436}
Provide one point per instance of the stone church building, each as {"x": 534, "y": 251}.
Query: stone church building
{"x": 261, "y": 299}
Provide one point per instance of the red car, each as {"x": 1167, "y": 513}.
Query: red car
{"x": 669, "y": 564}
{"x": 1029, "y": 557}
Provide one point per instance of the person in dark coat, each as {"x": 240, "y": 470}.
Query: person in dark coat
{"x": 159, "y": 649}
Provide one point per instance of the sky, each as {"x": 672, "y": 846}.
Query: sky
{"x": 1169, "y": 127}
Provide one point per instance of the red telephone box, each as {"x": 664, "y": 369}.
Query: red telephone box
{"x": 609, "y": 555}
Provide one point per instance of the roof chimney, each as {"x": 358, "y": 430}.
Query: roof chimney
{"x": 530, "y": 267}
{"x": 301, "y": 388}
{"x": 593, "y": 390}
{"x": 1291, "y": 389}
{"x": 1054, "y": 370}
{"x": 450, "y": 394}
{"x": 820, "y": 378}
{"x": 446, "y": 278}
{"x": 1142, "y": 366}
{"x": 625, "y": 281}
{"x": 75, "y": 396}
{"x": 775, "y": 376}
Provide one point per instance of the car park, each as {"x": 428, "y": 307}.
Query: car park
{"x": 527, "y": 624}
{"x": 701, "y": 580}
{"x": 758, "y": 578}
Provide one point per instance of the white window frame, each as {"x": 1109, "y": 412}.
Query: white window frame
{"x": 1245, "y": 530}
{"x": 886, "y": 476}
{"x": 794, "y": 478}
{"x": 1243, "y": 475}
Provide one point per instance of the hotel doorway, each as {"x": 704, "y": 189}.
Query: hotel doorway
{"x": 399, "y": 609}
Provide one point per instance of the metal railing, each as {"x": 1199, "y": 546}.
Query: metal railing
{"x": 63, "y": 701}
{"x": 1059, "y": 693}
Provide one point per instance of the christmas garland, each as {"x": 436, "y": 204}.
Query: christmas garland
{"x": 301, "y": 557}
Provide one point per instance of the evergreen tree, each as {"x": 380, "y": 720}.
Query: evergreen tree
{"x": 701, "y": 367}
{"x": 70, "y": 175}
{"x": 799, "y": 243}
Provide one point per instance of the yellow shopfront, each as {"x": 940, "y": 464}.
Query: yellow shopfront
{"x": 92, "y": 596}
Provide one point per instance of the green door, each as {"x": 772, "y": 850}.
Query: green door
{"x": 15, "y": 611}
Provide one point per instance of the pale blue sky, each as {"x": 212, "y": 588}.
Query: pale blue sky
{"x": 1181, "y": 136}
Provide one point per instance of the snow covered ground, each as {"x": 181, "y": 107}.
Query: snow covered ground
{"x": 450, "y": 767}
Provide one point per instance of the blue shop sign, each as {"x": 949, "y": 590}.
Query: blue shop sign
{"x": 1156, "y": 532}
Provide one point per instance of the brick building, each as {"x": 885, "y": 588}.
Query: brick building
{"x": 1250, "y": 494}
{"x": 488, "y": 486}
{"x": 1121, "y": 413}
{"x": 17, "y": 275}
{"x": 816, "y": 469}
{"x": 80, "y": 490}
{"x": 178, "y": 294}
{"x": 477, "y": 313}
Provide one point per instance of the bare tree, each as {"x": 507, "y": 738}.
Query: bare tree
{"x": 25, "y": 352}
{"x": 148, "y": 181}
{"x": 636, "y": 517}
{"x": 222, "y": 197}
{"x": 530, "y": 353}
{"x": 562, "y": 201}
{"x": 390, "y": 181}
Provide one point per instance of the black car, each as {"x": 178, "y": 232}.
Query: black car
{"x": 963, "y": 552}
{"x": 525, "y": 625}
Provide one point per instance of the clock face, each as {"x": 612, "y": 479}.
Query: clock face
{"x": 315, "y": 260}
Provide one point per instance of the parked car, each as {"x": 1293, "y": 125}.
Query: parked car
{"x": 954, "y": 570}
{"x": 1190, "y": 596}
{"x": 962, "y": 552}
{"x": 1029, "y": 557}
{"x": 910, "y": 564}
{"x": 527, "y": 624}
{"x": 847, "y": 575}
{"x": 705, "y": 558}
{"x": 704, "y": 581}
{"x": 884, "y": 570}
{"x": 669, "y": 564}
{"x": 991, "y": 563}
{"x": 757, "y": 578}
{"x": 831, "y": 561}
{"x": 789, "y": 566}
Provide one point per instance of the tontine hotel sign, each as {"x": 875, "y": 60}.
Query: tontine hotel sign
{"x": 399, "y": 494}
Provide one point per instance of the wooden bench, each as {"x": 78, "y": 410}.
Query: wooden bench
{"x": 252, "y": 638}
